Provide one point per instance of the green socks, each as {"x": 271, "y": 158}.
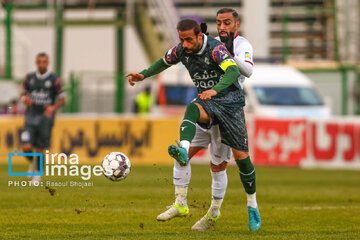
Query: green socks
{"x": 188, "y": 125}
{"x": 247, "y": 174}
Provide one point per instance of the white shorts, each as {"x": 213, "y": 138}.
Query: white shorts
{"x": 219, "y": 152}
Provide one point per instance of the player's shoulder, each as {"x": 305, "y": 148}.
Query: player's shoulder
{"x": 174, "y": 54}
{"x": 215, "y": 47}
{"x": 176, "y": 50}
{"x": 30, "y": 75}
{"x": 53, "y": 75}
{"x": 241, "y": 41}
{"x": 213, "y": 42}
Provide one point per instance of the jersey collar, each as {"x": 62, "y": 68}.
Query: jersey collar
{"x": 203, "y": 46}
{"x": 42, "y": 76}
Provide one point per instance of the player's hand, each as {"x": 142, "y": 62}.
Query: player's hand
{"x": 27, "y": 101}
{"x": 207, "y": 95}
{"x": 49, "y": 111}
{"x": 134, "y": 77}
{"x": 229, "y": 44}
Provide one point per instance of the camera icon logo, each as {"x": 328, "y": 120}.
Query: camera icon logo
{"x": 15, "y": 153}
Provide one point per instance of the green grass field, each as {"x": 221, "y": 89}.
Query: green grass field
{"x": 294, "y": 204}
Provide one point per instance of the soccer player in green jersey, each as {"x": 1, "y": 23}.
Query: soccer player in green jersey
{"x": 220, "y": 100}
{"x": 40, "y": 90}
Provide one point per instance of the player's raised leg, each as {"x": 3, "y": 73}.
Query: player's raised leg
{"x": 194, "y": 113}
{"x": 218, "y": 189}
{"x": 247, "y": 176}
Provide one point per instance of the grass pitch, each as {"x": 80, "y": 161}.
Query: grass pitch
{"x": 294, "y": 204}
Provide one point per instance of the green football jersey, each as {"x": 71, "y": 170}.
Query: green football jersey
{"x": 42, "y": 91}
{"x": 206, "y": 68}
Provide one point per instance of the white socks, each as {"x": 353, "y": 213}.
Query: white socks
{"x": 251, "y": 200}
{"x": 181, "y": 195}
{"x": 219, "y": 184}
{"x": 182, "y": 175}
{"x": 185, "y": 144}
{"x": 218, "y": 189}
{"x": 215, "y": 207}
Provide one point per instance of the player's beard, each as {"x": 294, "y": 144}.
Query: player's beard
{"x": 194, "y": 49}
{"x": 224, "y": 39}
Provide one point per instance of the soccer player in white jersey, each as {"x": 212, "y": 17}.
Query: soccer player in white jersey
{"x": 227, "y": 25}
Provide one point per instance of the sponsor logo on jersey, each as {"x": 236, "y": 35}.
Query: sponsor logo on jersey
{"x": 205, "y": 84}
{"x": 40, "y": 97}
{"x": 247, "y": 55}
{"x": 205, "y": 75}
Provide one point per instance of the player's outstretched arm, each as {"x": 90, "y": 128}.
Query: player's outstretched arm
{"x": 155, "y": 68}
{"x": 134, "y": 77}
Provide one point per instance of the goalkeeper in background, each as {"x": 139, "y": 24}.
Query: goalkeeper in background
{"x": 40, "y": 90}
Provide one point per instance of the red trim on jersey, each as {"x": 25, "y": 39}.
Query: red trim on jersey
{"x": 236, "y": 36}
{"x": 249, "y": 62}
{"x": 57, "y": 86}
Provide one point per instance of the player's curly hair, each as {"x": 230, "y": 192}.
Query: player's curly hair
{"x": 231, "y": 10}
{"x": 188, "y": 24}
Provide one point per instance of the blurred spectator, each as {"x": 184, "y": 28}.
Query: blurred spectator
{"x": 4, "y": 109}
{"x": 13, "y": 108}
{"x": 143, "y": 101}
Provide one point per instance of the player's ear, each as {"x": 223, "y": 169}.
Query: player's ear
{"x": 237, "y": 24}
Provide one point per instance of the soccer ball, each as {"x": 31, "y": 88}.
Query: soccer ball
{"x": 116, "y": 166}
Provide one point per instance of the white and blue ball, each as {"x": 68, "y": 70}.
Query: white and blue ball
{"x": 116, "y": 166}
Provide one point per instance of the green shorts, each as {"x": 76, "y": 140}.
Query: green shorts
{"x": 37, "y": 132}
{"x": 231, "y": 122}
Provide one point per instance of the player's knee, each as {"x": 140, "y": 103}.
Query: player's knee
{"x": 204, "y": 116}
{"x": 240, "y": 154}
{"x": 39, "y": 150}
{"x": 193, "y": 151}
{"x": 27, "y": 147}
{"x": 218, "y": 168}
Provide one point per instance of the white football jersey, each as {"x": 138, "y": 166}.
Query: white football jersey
{"x": 243, "y": 52}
